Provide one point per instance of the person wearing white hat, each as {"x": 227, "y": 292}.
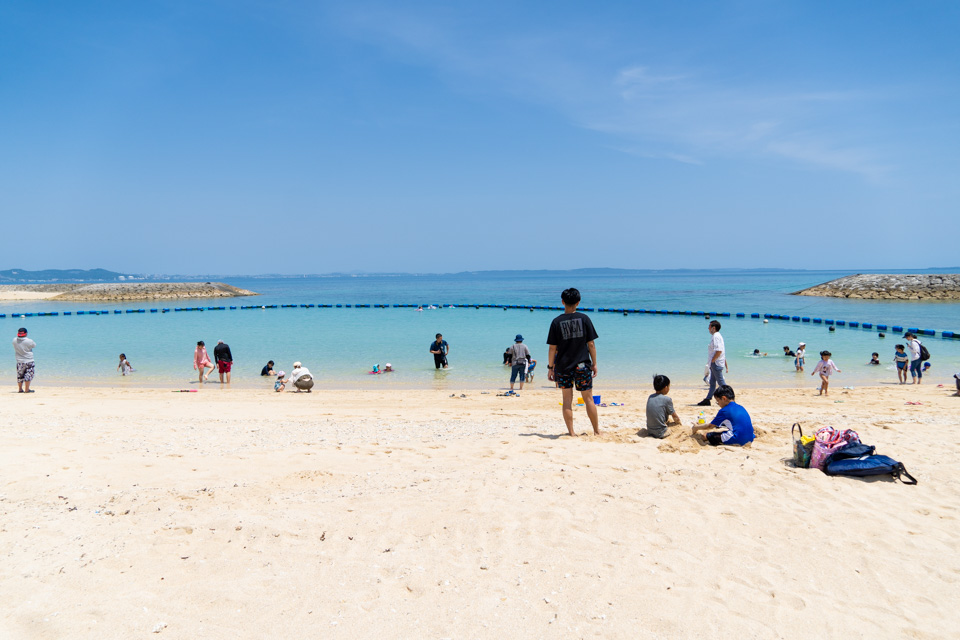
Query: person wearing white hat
{"x": 388, "y": 368}
{"x": 798, "y": 361}
{"x": 301, "y": 378}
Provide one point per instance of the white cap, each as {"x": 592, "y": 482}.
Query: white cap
{"x": 296, "y": 365}
{"x": 388, "y": 365}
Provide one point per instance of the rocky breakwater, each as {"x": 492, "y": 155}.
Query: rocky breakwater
{"x": 131, "y": 291}
{"x": 866, "y": 286}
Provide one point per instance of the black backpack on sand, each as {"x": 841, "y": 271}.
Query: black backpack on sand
{"x": 858, "y": 461}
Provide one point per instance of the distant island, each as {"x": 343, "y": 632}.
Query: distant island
{"x": 64, "y": 275}
{"x": 121, "y": 291}
{"x": 865, "y": 286}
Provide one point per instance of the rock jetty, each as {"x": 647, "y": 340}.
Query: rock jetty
{"x": 868, "y": 286}
{"x": 131, "y": 291}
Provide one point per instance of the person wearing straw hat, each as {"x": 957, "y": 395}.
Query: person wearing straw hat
{"x": 23, "y": 349}
{"x": 520, "y": 357}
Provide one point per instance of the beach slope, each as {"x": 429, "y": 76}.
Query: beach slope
{"x": 248, "y": 514}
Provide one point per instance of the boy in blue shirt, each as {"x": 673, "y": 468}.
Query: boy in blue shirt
{"x": 733, "y": 418}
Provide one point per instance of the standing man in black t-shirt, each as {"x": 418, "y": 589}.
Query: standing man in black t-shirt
{"x": 221, "y": 353}
{"x": 572, "y": 359}
{"x": 439, "y": 348}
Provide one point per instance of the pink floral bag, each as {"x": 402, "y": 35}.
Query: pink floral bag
{"x": 828, "y": 440}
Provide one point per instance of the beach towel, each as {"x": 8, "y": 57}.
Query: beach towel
{"x": 827, "y": 441}
{"x": 802, "y": 447}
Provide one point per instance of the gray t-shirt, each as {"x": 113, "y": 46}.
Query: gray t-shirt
{"x": 521, "y": 354}
{"x": 24, "y": 349}
{"x": 659, "y": 408}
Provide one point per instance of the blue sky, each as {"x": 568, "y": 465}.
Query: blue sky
{"x": 250, "y": 137}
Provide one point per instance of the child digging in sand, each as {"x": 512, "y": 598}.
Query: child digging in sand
{"x": 660, "y": 409}
{"x": 825, "y": 367}
{"x": 733, "y": 421}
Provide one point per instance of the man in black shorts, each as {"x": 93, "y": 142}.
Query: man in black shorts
{"x": 439, "y": 348}
{"x": 572, "y": 359}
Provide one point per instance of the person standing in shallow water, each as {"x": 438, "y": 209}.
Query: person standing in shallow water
{"x": 439, "y": 348}
{"x": 224, "y": 359}
{"x": 572, "y": 358}
{"x": 201, "y": 361}
{"x": 716, "y": 360}
{"x": 23, "y": 349}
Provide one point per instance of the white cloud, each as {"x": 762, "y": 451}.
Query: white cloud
{"x": 655, "y": 110}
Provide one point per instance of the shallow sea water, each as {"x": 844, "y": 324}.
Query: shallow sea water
{"x": 340, "y": 345}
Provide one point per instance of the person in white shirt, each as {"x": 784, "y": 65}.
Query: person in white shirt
{"x": 301, "y": 378}
{"x": 798, "y": 361}
{"x": 913, "y": 345}
{"x": 716, "y": 360}
{"x": 825, "y": 367}
{"x": 23, "y": 349}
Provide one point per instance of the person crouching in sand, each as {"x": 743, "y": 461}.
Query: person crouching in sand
{"x": 732, "y": 418}
{"x": 825, "y": 367}
{"x": 660, "y": 409}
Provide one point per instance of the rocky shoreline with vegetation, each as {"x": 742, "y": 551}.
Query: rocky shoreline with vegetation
{"x": 128, "y": 291}
{"x": 866, "y": 286}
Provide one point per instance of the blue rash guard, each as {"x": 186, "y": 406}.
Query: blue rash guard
{"x": 737, "y": 421}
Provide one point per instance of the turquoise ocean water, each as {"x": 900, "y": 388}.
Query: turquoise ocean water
{"x": 340, "y": 345}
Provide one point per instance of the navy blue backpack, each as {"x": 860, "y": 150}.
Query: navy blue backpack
{"x": 859, "y": 460}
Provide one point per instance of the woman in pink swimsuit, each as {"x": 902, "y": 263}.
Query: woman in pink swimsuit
{"x": 201, "y": 361}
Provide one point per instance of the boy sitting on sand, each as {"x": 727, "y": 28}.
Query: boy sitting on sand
{"x": 660, "y": 409}
{"x": 732, "y": 417}
{"x": 280, "y": 384}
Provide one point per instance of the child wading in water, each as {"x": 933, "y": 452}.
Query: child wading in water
{"x": 903, "y": 361}
{"x": 202, "y": 362}
{"x": 124, "y": 367}
{"x": 798, "y": 361}
{"x": 825, "y": 367}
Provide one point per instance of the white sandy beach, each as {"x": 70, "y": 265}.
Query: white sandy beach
{"x": 231, "y": 513}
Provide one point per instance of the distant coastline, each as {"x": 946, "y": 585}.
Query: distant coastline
{"x": 867, "y": 286}
{"x": 121, "y": 291}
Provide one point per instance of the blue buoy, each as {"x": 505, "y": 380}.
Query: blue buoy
{"x": 754, "y": 315}
{"x": 828, "y": 321}
{"x": 740, "y": 315}
{"x": 818, "y": 321}
{"x": 854, "y": 325}
{"x": 866, "y": 325}
{"x": 897, "y": 328}
{"x": 881, "y": 327}
{"x": 841, "y": 323}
